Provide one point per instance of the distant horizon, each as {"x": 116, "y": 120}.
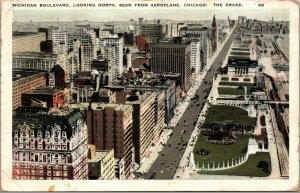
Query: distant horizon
{"x": 108, "y": 15}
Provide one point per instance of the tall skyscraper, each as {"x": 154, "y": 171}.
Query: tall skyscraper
{"x": 59, "y": 39}
{"x": 152, "y": 31}
{"x": 118, "y": 42}
{"x": 88, "y": 47}
{"x": 172, "y": 58}
{"x": 195, "y": 56}
{"x": 196, "y": 32}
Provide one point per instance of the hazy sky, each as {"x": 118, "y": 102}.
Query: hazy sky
{"x": 123, "y": 14}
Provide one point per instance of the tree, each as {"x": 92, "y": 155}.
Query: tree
{"x": 258, "y": 42}
{"x": 263, "y": 165}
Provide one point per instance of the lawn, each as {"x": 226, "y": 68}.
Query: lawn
{"x": 231, "y": 91}
{"x": 249, "y": 168}
{"x": 220, "y": 152}
{"x": 248, "y": 85}
{"x": 229, "y": 113}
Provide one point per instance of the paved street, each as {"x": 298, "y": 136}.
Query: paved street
{"x": 167, "y": 162}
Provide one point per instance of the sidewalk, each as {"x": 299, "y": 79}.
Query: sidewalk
{"x": 154, "y": 151}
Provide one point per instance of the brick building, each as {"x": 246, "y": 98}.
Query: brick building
{"x": 110, "y": 127}
{"x": 142, "y": 43}
{"x": 52, "y": 96}
{"x": 25, "y": 80}
{"x": 59, "y": 76}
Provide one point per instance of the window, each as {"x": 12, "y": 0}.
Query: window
{"x": 31, "y": 133}
{"x": 16, "y": 171}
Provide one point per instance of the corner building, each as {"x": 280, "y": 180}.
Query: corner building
{"x": 49, "y": 145}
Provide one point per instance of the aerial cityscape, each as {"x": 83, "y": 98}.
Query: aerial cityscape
{"x": 150, "y": 99}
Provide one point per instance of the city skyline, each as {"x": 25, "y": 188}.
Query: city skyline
{"x": 108, "y": 15}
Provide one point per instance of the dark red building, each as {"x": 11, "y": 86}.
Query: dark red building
{"x": 142, "y": 43}
{"x": 52, "y": 97}
{"x": 58, "y": 76}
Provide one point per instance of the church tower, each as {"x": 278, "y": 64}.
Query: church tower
{"x": 214, "y": 35}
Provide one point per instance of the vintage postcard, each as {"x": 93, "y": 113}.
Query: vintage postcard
{"x": 149, "y": 95}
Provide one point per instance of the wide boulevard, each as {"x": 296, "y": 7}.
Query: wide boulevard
{"x": 168, "y": 160}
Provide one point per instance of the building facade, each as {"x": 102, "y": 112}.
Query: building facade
{"x": 27, "y": 42}
{"x": 198, "y": 33}
{"x": 240, "y": 64}
{"x": 49, "y": 145}
{"x": 101, "y": 165}
{"x": 34, "y": 60}
{"x": 143, "y": 123}
{"x": 172, "y": 58}
{"x": 118, "y": 42}
{"x": 59, "y": 38}
{"x": 87, "y": 46}
{"x": 110, "y": 127}
{"x": 195, "y": 56}
{"x": 52, "y": 97}
{"x": 152, "y": 31}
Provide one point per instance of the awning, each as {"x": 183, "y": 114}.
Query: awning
{"x": 131, "y": 177}
{"x": 147, "y": 153}
{"x": 156, "y": 139}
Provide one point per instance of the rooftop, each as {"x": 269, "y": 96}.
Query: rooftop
{"x": 37, "y": 55}
{"x": 118, "y": 107}
{"x": 138, "y": 97}
{"x": 99, "y": 155}
{"x": 44, "y": 91}
{"x": 172, "y": 45}
{"x": 19, "y": 73}
{"x": 45, "y": 119}
{"x": 23, "y": 34}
